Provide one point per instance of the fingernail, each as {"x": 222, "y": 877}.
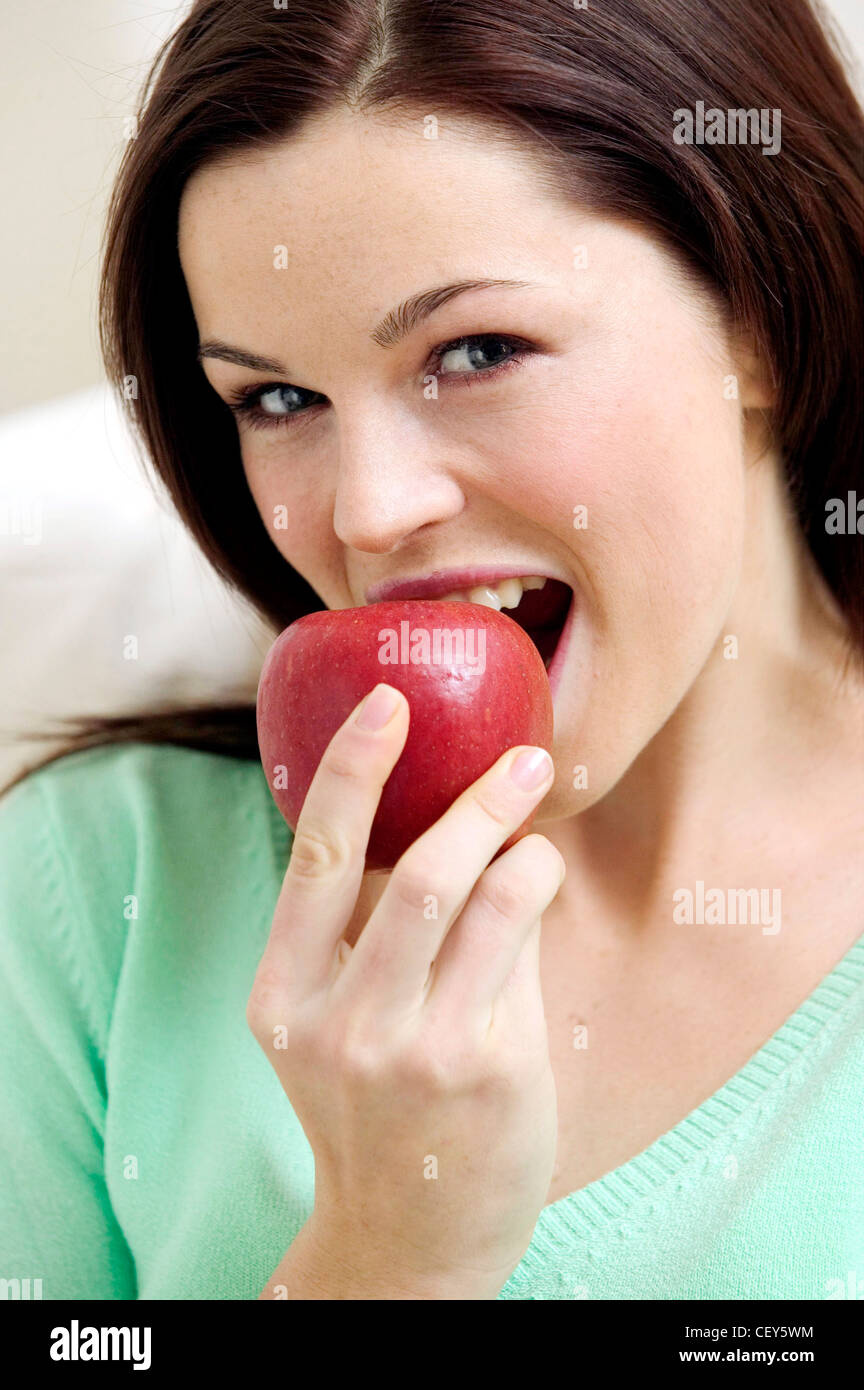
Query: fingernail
{"x": 378, "y": 708}
{"x": 531, "y": 769}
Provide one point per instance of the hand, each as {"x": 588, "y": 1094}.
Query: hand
{"x": 418, "y": 1061}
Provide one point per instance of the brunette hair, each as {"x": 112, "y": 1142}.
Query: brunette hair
{"x": 591, "y": 91}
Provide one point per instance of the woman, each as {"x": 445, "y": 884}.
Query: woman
{"x": 332, "y": 221}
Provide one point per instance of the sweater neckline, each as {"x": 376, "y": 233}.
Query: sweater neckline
{"x": 608, "y": 1197}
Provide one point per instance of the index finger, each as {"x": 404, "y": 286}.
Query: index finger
{"x": 325, "y": 870}
{"x": 434, "y": 878}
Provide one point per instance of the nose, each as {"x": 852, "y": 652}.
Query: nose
{"x": 392, "y": 481}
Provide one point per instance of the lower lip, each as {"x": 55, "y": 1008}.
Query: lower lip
{"x": 556, "y": 665}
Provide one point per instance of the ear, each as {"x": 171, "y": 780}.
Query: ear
{"x": 756, "y": 390}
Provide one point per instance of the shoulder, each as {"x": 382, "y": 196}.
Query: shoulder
{"x": 115, "y": 784}
{"x": 99, "y": 820}
{"x": 104, "y": 844}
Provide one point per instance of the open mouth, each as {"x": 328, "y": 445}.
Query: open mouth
{"x": 542, "y": 613}
{"x": 538, "y": 604}
{"x": 541, "y": 605}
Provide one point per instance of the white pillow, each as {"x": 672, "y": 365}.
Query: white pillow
{"x": 106, "y": 604}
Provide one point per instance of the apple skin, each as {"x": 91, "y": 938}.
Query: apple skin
{"x": 461, "y": 718}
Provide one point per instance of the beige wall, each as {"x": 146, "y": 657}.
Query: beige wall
{"x": 69, "y": 72}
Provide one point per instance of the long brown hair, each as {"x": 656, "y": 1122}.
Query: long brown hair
{"x": 590, "y": 91}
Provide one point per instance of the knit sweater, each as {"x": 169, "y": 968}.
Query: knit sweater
{"x": 148, "y": 1151}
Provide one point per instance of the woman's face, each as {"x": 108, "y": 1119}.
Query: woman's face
{"x": 380, "y": 459}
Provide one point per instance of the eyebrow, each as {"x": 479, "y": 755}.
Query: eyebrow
{"x": 394, "y": 326}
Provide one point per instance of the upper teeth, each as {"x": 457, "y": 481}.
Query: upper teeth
{"x": 507, "y": 593}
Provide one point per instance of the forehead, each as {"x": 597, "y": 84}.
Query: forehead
{"x": 352, "y": 189}
{"x": 325, "y": 231}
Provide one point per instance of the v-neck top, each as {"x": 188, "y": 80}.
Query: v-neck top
{"x": 148, "y": 1151}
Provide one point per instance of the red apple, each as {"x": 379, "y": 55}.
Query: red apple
{"x": 475, "y": 683}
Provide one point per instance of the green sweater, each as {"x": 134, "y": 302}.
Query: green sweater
{"x": 147, "y": 1149}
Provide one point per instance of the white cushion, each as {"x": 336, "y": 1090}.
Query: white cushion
{"x": 91, "y": 557}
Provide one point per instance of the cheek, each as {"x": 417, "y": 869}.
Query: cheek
{"x": 655, "y": 460}
{"x": 676, "y": 527}
{"x": 291, "y": 508}
{"x": 640, "y": 473}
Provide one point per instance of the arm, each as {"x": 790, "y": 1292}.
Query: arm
{"x": 427, "y": 1037}
{"x": 57, "y": 1224}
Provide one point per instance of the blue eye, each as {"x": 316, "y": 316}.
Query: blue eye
{"x": 277, "y": 404}
{"x": 272, "y": 405}
{"x": 280, "y": 400}
{"x": 470, "y": 358}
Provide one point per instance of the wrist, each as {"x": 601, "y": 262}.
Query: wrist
{"x": 325, "y": 1264}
